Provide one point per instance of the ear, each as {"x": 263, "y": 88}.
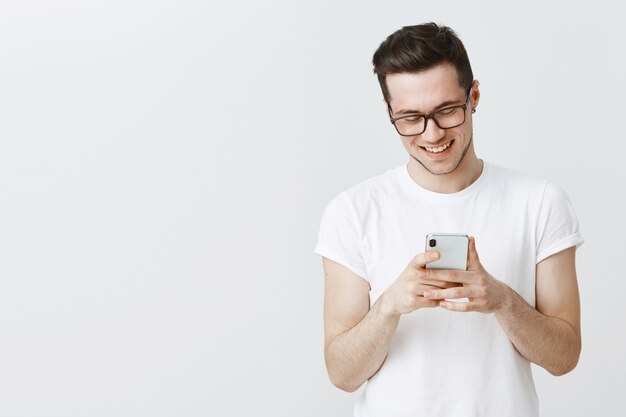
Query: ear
{"x": 475, "y": 95}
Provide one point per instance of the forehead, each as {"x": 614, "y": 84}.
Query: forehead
{"x": 425, "y": 90}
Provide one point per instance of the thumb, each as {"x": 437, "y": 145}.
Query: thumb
{"x": 473, "y": 262}
{"x": 421, "y": 259}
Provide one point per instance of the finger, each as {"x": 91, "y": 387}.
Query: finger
{"x": 448, "y": 275}
{"x": 457, "y": 292}
{"x": 459, "y": 306}
{"x": 473, "y": 261}
{"x": 439, "y": 284}
{"x": 422, "y": 259}
{"x": 430, "y": 303}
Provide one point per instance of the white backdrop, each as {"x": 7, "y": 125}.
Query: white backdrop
{"x": 164, "y": 166}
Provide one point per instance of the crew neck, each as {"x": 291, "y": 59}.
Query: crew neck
{"x": 433, "y": 195}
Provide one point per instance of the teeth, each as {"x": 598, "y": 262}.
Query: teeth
{"x": 439, "y": 149}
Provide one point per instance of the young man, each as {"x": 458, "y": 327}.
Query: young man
{"x": 387, "y": 319}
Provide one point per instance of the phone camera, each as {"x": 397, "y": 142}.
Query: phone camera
{"x": 432, "y": 243}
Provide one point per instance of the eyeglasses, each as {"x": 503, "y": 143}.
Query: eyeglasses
{"x": 446, "y": 118}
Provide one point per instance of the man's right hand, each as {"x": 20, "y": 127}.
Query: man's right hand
{"x": 406, "y": 294}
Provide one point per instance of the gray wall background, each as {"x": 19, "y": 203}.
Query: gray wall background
{"x": 164, "y": 166}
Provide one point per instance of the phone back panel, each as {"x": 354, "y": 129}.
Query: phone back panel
{"x": 451, "y": 247}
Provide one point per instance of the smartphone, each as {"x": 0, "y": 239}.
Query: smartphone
{"x": 452, "y": 248}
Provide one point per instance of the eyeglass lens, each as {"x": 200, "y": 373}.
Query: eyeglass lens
{"x": 445, "y": 119}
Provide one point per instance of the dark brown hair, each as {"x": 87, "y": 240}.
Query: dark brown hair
{"x": 419, "y": 48}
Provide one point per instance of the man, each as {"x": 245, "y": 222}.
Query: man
{"x": 389, "y": 320}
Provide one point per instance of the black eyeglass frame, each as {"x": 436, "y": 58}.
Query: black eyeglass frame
{"x": 431, "y": 115}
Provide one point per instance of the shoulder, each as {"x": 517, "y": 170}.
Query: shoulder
{"x": 373, "y": 190}
{"x": 513, "y": 178}
{"x": 534, "y": 191}
{"x": 517, "y": 185}
{"x": 361, "y": 202}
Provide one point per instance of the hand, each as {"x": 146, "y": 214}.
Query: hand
{"x": 485, "y": 293}
{"x": 406, "y": 293}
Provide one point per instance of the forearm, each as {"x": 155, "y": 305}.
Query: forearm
{"x": 549, "y": 342}
{"x": 356, "y": 354}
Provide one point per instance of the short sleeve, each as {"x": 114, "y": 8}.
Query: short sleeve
{"x": 339, "y": 237}
{"x": 557, "y": 225}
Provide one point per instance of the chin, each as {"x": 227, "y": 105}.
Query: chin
{"x": 442, "y": 170}
{"x": 438, "y": 169}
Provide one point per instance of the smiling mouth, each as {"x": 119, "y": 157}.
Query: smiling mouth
{"x": 438, "y": 149}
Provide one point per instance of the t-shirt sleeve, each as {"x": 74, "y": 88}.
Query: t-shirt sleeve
{"x": 339, "y": 237}
{"x": 557, "y": 226}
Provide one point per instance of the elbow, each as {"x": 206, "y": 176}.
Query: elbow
{"x": 339, "y": 379}
{"x": 567, "y": 366}
{"x": 343, "y": 384}
{"x": 347, "y": 388}
{"x": 563, "y": 369}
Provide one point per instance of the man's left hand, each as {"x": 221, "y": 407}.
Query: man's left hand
{"x": 485, "y": 293}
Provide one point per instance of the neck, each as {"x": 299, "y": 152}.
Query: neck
{"x": 468, "y": 171}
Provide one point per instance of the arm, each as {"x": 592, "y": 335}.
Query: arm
{"x": 357, "y": 337}
{"x": 548, "y": 335}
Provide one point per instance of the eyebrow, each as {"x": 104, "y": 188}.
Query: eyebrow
{"x": 442, "y": 105}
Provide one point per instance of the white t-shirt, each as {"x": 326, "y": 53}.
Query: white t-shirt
{"x": 443, "y": 363}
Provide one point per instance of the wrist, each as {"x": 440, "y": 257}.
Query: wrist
{"x": 508, "y": 298}
{"x": 385, "y": 307}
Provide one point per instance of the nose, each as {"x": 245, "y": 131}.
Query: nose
{"x": 433, "y": 133}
